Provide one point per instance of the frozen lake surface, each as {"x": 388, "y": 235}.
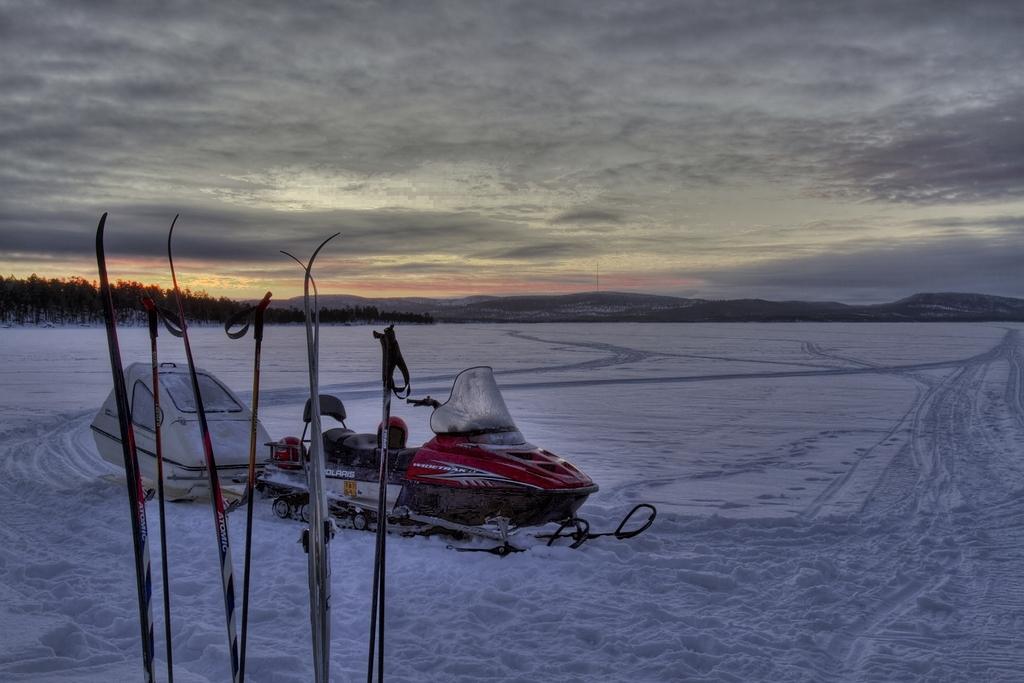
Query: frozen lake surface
{"x": 836, "y": 502}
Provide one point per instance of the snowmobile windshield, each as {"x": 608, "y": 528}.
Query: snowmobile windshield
{"x": 216, "y": 398}
{"x": 476, "y": 407}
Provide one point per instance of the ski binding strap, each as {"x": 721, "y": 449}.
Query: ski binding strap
{"x": 393, "y": 359}
{"x": 248, "y": 316}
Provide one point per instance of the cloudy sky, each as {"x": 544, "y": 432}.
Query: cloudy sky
{"x": 814, "y": 150}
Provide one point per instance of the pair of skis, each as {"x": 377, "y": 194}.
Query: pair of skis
{"x": 320, "y": 531}
{"x": 136, "y": 494}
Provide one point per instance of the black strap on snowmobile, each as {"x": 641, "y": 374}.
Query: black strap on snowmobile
{"x": 393, "y": 359}
{"x": 580, "y": 528}
{"x": 253, "y": 315}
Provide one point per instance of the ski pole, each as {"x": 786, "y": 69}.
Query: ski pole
{"x": 256, "y": 314}
{"x": 153, "y": 314}
{"x": 391, "y": 358}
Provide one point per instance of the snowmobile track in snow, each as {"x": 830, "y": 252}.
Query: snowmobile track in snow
{"x": 942, "y": 528}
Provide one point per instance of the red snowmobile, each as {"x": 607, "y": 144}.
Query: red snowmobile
{"x": 478, "y": 475}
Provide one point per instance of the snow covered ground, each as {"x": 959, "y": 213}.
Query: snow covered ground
{"x": 836, "y": 502}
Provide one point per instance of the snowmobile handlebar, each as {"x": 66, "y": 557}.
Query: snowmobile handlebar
{"x": 427, "y": 401}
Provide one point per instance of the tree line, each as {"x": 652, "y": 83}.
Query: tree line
{"x": 75, "y": 301}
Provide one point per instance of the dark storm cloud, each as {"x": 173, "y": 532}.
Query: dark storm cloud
{"x": 1011, "y": 222}
{"x": 586, "y": 116}
{"x": 218, "y": 233}
{"x": 405, "y": 83}
{"x": 544, "y": 251}
{"x": 971, "y": 155}
{"x": 588, "y": 216}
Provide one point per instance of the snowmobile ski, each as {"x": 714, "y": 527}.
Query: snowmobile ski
{"x": 152, "y": 315}
{"x": 578, "y": 529}
{"x": 317, "y": 536}
{"x": 220, "y": 520}
{"x": 136, "y": 494}
{"x": 253, "y": 316}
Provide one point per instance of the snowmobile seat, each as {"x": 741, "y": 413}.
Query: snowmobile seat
{"x": 360, "y": 442}
{"x": 398, "y": 459}
{"x": 333, "y": 437}
{"x": 330, "y": 406}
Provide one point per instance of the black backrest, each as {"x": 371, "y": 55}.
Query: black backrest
{"x": 329, "y": 405}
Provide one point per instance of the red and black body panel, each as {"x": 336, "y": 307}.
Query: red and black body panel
{"x": 455, "y": 478}
{"x": 469, "y": 483}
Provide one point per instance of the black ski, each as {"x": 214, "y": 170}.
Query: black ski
{"x": 391, "y": 359}
{"x": 136, "y": 494}
{"x": 153, "y": 314}
{"x": 220, "y": 519}
{"x": 255, "y": 315}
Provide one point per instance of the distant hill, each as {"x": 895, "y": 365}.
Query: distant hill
{"x": 628, "y": 307}
{"x": 74, "y": 301}
{"x": 404, "y": 304}
{"x": 950, "y": 304}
